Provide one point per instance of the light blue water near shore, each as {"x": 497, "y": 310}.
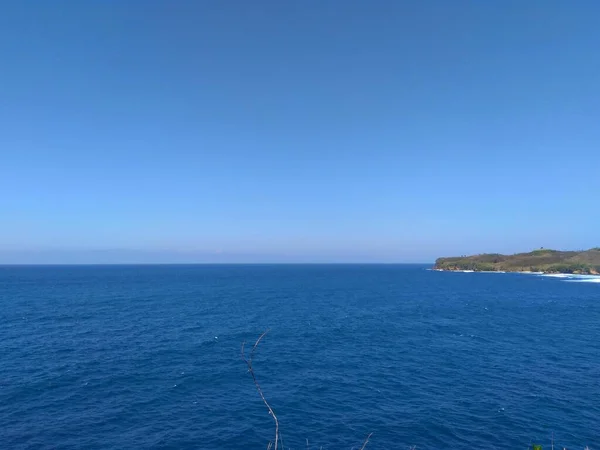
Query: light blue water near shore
{"x": 130, "y": 357}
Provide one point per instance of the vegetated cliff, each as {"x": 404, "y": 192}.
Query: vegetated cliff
{"x": 543, "y": 260}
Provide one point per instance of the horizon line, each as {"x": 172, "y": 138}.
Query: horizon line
{"x": 220, "y": 264}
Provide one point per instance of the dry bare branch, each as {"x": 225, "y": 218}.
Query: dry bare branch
{"x": 366, "y": 441}
{"x": 248, "y": 362}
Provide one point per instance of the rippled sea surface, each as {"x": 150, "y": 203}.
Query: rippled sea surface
{"x": 129, "y": 357}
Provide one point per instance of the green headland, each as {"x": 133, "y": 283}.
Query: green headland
{"x": 543, "y": 260}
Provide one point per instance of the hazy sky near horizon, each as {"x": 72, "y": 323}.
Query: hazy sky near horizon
{"x": 237, "y": 131}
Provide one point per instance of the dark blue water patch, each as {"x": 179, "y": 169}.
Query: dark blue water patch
{"x": 129, "y": 357}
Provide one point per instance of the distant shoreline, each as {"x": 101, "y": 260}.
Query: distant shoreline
{"x": 542, "y": 261}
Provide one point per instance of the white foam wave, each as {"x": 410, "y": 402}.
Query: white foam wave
{"x": 584, "y": 280}
{"x": 574, "y": 278}
{"x": 526, "y": 272}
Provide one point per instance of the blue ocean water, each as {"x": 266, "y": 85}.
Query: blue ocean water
{"x": 131, "y": 357}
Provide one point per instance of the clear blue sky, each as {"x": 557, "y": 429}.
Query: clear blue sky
{"x": 164, "y": 131}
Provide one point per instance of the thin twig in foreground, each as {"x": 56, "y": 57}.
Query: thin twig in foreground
{"x": 366, "y": 441}
{"x": 248, "y": 362}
